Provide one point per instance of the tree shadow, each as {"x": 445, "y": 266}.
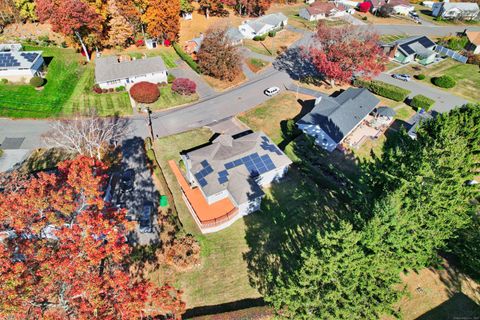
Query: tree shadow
{"x": 296, "y": 62}
{"x": 459, "y": 306}
{"x": 313, "y": 195}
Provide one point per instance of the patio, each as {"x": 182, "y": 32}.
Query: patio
{"x": 370, "y": 128}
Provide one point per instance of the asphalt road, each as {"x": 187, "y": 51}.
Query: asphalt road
{"x": 422, "y": 30}
{"x": 444, "y": 101}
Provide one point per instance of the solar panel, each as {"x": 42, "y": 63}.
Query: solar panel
{"x": 222, "y": 180}
{"x": 237, "y": 162}
{"x": 223, "y": 173}
{"x": 208, "y": 170}
{"x": 204, "y": 163}
{"x": 30, "y": 57}
{"x": 202, "y": 182}
{"x": 229, "y": 165}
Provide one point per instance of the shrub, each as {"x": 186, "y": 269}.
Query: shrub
{"x": 454, "y": 43}
{"x": 420, "y": 76}
{"x": 444, "y": 81}
{"x": 170, "y": 78}
{"x": 120, "y": 89}
{"x": 111, "y": 90}
{"x": 422, "y": 102}
{"x": 364, "y": 18}
{"x": 364, "y": 7}
{"x": 145, "y": 92}
{"x": 383, "y": 89}
{"x": 140, "y": 43}
{"x": 104, "y": 90}
{"x": 260, "y": 38}
{"x": 184, "y": 86}
{"x": 473, "y": 58}
{"x": 37, "y": 82}
{"x": 97, "y": 89}
{"x": 3, "y": 81}
{"x": 272, "y": 34}
{"x": 187, "y": 58}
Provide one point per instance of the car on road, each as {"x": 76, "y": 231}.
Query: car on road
{"x": 403, "y": 77}
{"x": 272, "y": 91}
{"x": 145, "y": 219}
{"x": 128, "y": 178}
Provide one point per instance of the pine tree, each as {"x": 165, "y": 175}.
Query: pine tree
{"x": 217, "y": 57}
{"x": 337, "y": 280}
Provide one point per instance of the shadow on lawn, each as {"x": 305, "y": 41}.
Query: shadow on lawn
{"x": 314, "y": 194}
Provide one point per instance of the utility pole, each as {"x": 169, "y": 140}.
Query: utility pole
{"x": 150, "y": 126}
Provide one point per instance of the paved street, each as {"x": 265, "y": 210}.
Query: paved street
{"x": 444, "y": 100}
{"x": 421, "y": 30}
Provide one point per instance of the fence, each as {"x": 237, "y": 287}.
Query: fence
{"x": 452, "y": 54}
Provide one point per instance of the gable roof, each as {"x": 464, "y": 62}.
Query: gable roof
{"x": 273, "y": 19}
{"x": 323, "y": 7}
{"x": 234, "y": 34}
{"x": 465, "y": 6}
{"x": 231, "y": 163}
{"x": 474, "y": 37}
{"x": 13, "y": 60}
{"x": 340, "y": 115}
{"x": 109, "y": 69}
{"x": 421, "y": 45}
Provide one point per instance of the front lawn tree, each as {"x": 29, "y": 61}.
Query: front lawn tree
{"x": 217, "y": 57}
{"x": 340, "y": 52}
{"x": 72, "y": 18}
{"x": 64, "y": 255}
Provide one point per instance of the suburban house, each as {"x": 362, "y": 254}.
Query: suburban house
{"x": 17, "y": 65}
{"x": 235, "y": 36}
{"x": 455, "y": 10}
{"x": 473, "y": 41}
{"x": 416, "y": 120}
{"x": 333, "y": 118}
{"x": 322, "y": 10}
{"x": 224, "y": 179}
{"x": 260, "y": 26}
{"x": 112, "y": 72}
{"x": 193, "y": 46}
{"x": 418, "y": 48}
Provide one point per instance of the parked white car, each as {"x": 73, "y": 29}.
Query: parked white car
{"x": 403, "y": 77}
{"x": 272, "y": 91}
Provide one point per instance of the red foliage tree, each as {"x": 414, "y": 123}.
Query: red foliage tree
{"x": 63, "y": 252}
{"x": 184, "y": 86}
{"x": 145, "y": 92}
{"x": 365, "y": 6}
{"x": 341, "y": 52}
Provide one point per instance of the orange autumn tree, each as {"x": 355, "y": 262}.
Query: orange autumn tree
{"x": 63, "y": 252}
{"x": 163, "y": 19}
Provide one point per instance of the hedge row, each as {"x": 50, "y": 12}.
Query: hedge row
{"x": 444, "y": 81}
{"x": 383, "y": 89}
{"x": 187, "y": 58}
{"x": 422, "y": 102}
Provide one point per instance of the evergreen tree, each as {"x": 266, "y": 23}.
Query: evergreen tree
{"x": 337, "y": 280}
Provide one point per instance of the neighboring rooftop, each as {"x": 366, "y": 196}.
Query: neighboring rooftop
{"x": 466, "y": 6}
{"x": 474, "y": 37}
{"x": 340, "y": 115}
{"x": 110, "y": 69}
{"x": 273, "y": 19}
{"x": 19, "y": 59}
{"x": 323, "y": 7}
{"x": 234, "y": 34}
{"x": 415, "y": 45}
{"x": 231, "y": 163}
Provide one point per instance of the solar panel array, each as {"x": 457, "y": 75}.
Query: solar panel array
{"x": 7, "y": 60}
{"x": 452, "y": 54}
{"x": 254, "y": 163}
{"x": 200, "y": 176}
{"x": 29, "y": 56}
{"x": 266, "y": 145}
{"x": 424, "y": 41}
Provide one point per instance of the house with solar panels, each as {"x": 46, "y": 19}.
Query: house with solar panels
{"x": 419, "y": 48}
{"x": 224, "y": 179}
{"x": 17, "y": 65}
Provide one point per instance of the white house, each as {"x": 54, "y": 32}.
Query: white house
{"x": 231, "y": 170}
{"x": 17, "y": 65}
{"x": 270, "y": 22}
{"x": 333, "y": 119}
{"x": 456, "y": 10}
{"x": 322, "y": 10}
{"x": 473, "y": 41}
{"x": 402, "y": 9}
{"x": 111, "y": 72}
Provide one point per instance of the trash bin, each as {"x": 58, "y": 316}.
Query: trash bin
{"x": 163, "y": 201}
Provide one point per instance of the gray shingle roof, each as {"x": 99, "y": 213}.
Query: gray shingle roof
{"x": 340, "y": 115}
{"x": 234, "y": 34}
{"x": 273, "y": 19}
{"x": 421, "y": 45}
{"x": 468, "y": 6}
{"x": 109, "y": 69}
{"x": 225, "y": 150}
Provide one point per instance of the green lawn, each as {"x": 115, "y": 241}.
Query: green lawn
{"x": 83, "y": 98}
{"x": 64, "y": 72}
{"x": 466, "y": 75}
{"x": 168, "y": 99}
{"x": 387, "y": 38}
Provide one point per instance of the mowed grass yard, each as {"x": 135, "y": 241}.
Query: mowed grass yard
{"x": 271, "y": 45}
{"x": 64, "y": 72}
{"x": 168, "y": 98}
{"x": 466, "y": 75}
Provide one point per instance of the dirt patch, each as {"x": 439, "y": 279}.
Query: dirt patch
{"x": 256, "y": 64}
{"x": 222, "y": 85}
{"x": 379, "y": 20}
{"x": 34, "y": 31}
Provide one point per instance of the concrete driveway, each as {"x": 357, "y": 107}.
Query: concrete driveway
{"x": 444, "y": 100}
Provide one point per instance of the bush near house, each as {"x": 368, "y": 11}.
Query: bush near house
{"x": 145, "y": 92}
{"x": 187, "y": 58}
{"x": 3, "y": 81}
{"x": 422, "y": 102}
{"x": 420, "y": 76}
{"x": 184, "y": 86}
{"x": 454, "y": 43}
{"x": 272, "y": 34}
{"x": 444, "y": 81}
{"x": 37, "y": 82}
{"x": 260, "y": 38}
{"x": 170, "y": 78}
{"x": 383, "y": 89}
